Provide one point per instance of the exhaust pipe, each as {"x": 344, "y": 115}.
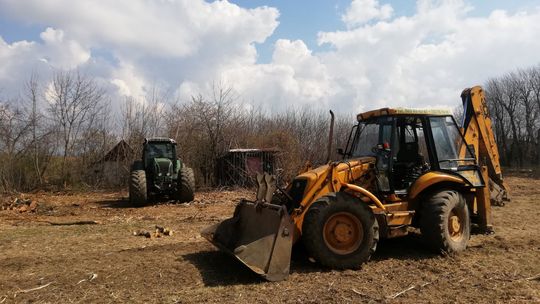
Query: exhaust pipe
{"x": 330, "y": 137}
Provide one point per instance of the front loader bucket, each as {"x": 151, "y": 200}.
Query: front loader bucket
{"x": 259, "y": 235}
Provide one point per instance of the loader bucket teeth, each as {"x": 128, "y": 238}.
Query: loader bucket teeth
{"x": 261, "y": 189}
{"x": 270, "y": 187}
{"x": 259, "y": 235}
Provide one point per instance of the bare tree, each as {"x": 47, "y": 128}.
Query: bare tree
{"x": 514, "y": 101}
{"x": 33, "y": 93}
{"x": 74, "y": 99}
{"x": 212, "y": 118}
{"x": 14, "y": 127}
{"x": 534, "y": 82}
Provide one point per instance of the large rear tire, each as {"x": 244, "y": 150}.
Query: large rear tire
{"x": 445, "y": 223}
{"x": 186, "y": 185}
{"x": 138, "y": 194}
{"x": 340, "y": 231}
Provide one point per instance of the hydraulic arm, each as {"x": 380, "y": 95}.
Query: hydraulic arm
{"x": 477, "y": 130}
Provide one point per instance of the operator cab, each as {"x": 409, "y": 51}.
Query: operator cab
{"x": 408, "y": 143}
{"x": 160, "y": 161}
{"x": 158, "y": 147}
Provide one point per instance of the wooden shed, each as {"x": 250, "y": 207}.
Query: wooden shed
{"x": 113, "y": 168}
{"x": 240, "y": 166}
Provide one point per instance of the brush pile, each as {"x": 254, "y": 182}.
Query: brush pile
{"x": 20, "y": 205}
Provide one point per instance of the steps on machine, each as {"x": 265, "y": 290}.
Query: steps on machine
{"x": 395, "y": 223}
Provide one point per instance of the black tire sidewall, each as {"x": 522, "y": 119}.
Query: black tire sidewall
{"x": 434, "y": 221}
{"x": 462, "y": 211}
{"x": 186, "y": 185}
{"x": 138, "y": 195}
{"x": 313, "y": 229}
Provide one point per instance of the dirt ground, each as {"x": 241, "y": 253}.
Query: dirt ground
{"x": 44, "y": 262}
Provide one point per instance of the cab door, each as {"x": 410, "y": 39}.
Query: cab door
{"x": 384, "y": 153}
{"x": 452, "y": 152}
{"x": 411, "y": 157}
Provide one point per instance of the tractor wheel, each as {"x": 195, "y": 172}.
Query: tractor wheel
{"x": 137, "y": 188}
{"x": 186, "y": 185}
{"x": 339, "y": 231}
{"x": 445, "y": 223}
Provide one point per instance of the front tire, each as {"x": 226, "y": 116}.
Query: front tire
{"x": 138, "y": 194}
{"x": 445, "y": 223}
{"x": 339, "y": 231}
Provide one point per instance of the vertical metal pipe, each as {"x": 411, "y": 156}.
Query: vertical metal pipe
{"x": 330, "y": 137}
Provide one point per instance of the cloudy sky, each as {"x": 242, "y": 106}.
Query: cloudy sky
{"x": 346, "y": 55}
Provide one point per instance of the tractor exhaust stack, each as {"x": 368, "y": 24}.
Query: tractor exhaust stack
{"x": 330, "y": 137}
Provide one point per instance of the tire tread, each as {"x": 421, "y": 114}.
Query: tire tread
{"x": 137, "y": 188}
{"x": 433, "y": 222}
{"x": 186, "y": 185}
{"x": 313, "y": 225}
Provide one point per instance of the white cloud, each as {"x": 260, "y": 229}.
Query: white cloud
{"x": 60, "y": 52}
{"x": 362, "y": 11}
{"x": 176, "y": 28}
{"x": 381, "y": 59}
{"x": 128, "y": 81}
{"x": 149, "y": 41}
{"x": 20, "y": 59}
{"x": 428, "y": 58}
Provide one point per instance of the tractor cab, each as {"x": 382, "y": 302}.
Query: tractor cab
{"x": 160, "y": 163}
{"x": 407, "y": 143}
{"x": 159, "y": 150}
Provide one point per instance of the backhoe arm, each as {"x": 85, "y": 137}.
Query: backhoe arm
{"x": 477, "y": 130}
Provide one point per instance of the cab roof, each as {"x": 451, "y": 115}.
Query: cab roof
{"x": 159, "y": 140}
{"x": 402, "y": 111}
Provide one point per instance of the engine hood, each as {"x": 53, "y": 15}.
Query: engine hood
{"x": 163, "y": 167}
{"x": 355, "y": 166}
{"x": 351, "y": 164}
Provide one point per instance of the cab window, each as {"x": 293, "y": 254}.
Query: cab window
{"x": 448, "y": 142}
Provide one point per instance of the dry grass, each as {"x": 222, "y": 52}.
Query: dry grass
{"x": 106, "y": 263}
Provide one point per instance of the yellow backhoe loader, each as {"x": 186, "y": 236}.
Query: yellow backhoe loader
{"x": 401, "y": 168}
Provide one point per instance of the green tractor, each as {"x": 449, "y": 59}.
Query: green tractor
{"x": 160, "y": 173}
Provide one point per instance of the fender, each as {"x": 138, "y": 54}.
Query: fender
{"x": 432, "y": 178}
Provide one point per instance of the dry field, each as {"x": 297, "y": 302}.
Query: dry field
{"x": 44, "y": 262}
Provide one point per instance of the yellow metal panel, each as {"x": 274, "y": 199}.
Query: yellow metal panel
{"x": 429, "y": 179}
{"x": 417, "y": 111}
{"x": 392, "y": 207}
{"x": 327, "y": 179}
{"x": 472, "y": 176}
{"x": 399, "y": 218}
{"x": 363, "y": 191}
{"x": 401, "y": 111}
{"x": 484, "y": 205}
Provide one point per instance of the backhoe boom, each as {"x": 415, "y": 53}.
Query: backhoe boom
{"x": 478, "y": 133}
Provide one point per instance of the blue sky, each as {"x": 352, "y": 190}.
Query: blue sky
{"x": 341, "y": 54}
{"x": 304, "y": 19}
{"x": 297, "y": 21}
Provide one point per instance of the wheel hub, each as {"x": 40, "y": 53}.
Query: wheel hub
{"x": 343, "y": 233}
{"x": 454, "y": 220}
{"x": 455, "y": 227}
